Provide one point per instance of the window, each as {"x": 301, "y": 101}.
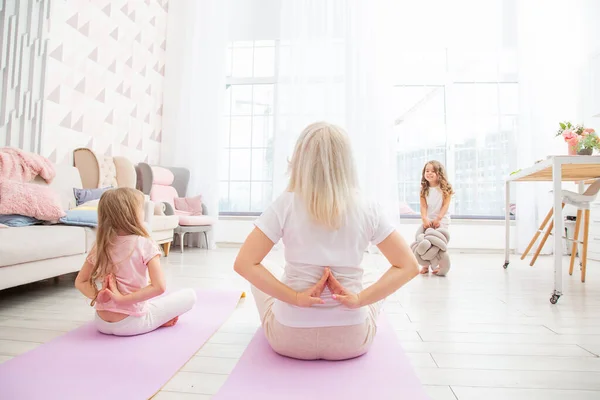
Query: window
{"x": 455, "y": 105}
{"x": 247, "y": 151}
{"x": 459, "y": 108}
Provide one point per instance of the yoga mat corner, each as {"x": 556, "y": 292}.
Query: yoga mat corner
{"x": 85, "y": 364}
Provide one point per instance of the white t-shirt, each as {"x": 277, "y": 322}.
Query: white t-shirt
{"x": 435, "y": 200}
{"x": 309, "y": 248}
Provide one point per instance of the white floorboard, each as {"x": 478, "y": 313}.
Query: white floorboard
{"x": 482, "y": 332}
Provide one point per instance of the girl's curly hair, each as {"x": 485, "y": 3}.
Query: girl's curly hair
{"x": 439, "y": 169}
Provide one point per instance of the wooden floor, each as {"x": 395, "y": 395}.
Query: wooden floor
{"x": 480, "y": 333}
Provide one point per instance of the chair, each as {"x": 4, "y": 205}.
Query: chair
{"x": 582, "y": 203}
{"x": 165, "y": 184}
{"x": 101, "y": 171}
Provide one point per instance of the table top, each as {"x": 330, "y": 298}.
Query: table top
{"x": 574, "y": 168}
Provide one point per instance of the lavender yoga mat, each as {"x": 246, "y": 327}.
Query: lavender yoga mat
{"x": 85, "y": 364}
{"x": 383, "y": 373}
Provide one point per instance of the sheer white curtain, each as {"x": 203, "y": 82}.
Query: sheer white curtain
{"x": 551, "y": 58}
{"x": 331, "y": 68}
{"x": 193, "y": 96}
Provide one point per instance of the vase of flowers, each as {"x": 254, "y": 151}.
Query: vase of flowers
{"x": 581, "y": 140}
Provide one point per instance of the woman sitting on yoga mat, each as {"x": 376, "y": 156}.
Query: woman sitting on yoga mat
{"x": 122, "y": 258}
{"x": 319, "y": 309}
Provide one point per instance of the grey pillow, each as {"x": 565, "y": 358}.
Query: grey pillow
{"x": 85, "y": 195}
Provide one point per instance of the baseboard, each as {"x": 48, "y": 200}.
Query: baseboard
{"x": 233, "y": 245}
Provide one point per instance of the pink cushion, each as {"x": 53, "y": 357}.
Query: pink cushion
{"x": 195, "y": 220}
{"x": 162, "y": 176}
{"x": 166, "y": 194}
{"x": 31, "y": 200}
{"x": 192, "y": 205}
{"x": 179, "y": 212}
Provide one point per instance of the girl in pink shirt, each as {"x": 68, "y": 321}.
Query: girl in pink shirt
{"x": 122, "y": 259}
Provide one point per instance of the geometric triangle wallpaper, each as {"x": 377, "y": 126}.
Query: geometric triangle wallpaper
{"x": 94, "y": 91}
{"x": 24, "y": 26}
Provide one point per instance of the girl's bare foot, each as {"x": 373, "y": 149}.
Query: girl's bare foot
{"x": 171, "y": 322}
{"x": 424, "y": 270}
{"x": 435, "y": 271}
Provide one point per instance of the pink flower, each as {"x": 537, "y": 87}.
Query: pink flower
{"x": 569, "y": 135}
{"x": 573, "y": 141}
{"x": 587, "y": 131}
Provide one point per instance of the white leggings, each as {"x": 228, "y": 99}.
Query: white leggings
{"x": 160, "y": 311}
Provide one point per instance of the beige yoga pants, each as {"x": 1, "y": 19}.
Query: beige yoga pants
{"x": 327, "y": 343}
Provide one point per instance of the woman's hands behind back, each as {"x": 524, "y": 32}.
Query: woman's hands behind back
{"x": 312, "y": 295}
{"x": 341, "y": 294}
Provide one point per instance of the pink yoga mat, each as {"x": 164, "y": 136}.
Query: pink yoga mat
{"x": 383, "y": 373}
{"x": 85, "y": 364}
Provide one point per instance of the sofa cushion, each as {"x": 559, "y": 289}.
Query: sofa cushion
{"x": 37, "y": 201}
{"x": 81, "y": 217}
{"x": 34, "y": 243}
{"x": 195, "y": 220}
{"x": 189, "y": 205}
{"x": 16, "y": 220}
{"x": 86, "y": 195}
{"x": 164, "y": 222}
{"x": 66, "y": 179}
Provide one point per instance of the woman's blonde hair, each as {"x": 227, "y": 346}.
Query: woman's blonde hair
{"x": 322, "y": 173}
{"x": 440, "y": 171}
{"x": 118, "y": 214}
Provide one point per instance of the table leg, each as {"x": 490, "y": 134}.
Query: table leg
{"x": 507, "y": 224}
{"x": 558, "y": 229}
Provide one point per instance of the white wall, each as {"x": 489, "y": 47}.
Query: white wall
{"x": 591, "y": 76}
{"x": 254, "y": 20}
{"x": 469, "y": 235}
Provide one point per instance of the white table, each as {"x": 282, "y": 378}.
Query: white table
{"x": 557, "y": 169}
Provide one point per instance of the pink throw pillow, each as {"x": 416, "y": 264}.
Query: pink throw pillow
{"x": 191, "y": 205}
{"x": 30, "y": 200}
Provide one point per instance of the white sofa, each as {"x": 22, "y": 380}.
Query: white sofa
{"x": 33, "y": 253}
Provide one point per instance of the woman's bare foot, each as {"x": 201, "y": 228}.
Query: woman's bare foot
{"x": 171, "y": 322}
{"x": 424, "y": 270}
{"x": 435, "y": 271}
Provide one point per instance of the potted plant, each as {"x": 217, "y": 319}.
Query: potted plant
{"x": 581, "y": 140}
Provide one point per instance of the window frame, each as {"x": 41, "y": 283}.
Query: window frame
{"x": 231, "y": 81}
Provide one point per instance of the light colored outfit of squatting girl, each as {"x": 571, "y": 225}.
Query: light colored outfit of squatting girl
{"x": 131, "y": 255}
{"x": 329, "y": 331}
{"x": 435, "y": 200}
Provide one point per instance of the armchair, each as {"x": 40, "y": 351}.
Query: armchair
{"x": 164, "y": 185}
